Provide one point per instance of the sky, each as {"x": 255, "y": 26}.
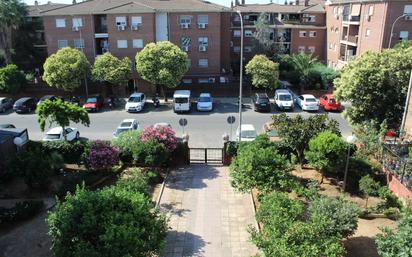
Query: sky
{"x": 221, "y": 2}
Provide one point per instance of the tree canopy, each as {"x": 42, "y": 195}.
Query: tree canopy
{"x": 302, "y": 65}
{"x": 66, "y": 69}
{"x": 111, "y": 69}
{"x": 376, "y": 85}
{"x": 162, "y": 63}
{"x": 264, "y": 72}
{"x": 11, "y": 79}
{"x": 262, "y": 35}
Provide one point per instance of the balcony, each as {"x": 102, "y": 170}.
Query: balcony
{"x": 351, "y": 20}
{"x": 349, "y": 40}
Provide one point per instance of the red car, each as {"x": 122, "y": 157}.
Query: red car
{"x": 329, "y": 103}
{"x": 94, "y": 103}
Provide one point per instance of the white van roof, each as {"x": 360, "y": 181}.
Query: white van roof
{"x": 248, "y": 127}
{"x": 283, "y": 91}
{"x": 181, "y": 93}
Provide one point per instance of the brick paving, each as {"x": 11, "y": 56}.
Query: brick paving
{"x": 207, "y": 217}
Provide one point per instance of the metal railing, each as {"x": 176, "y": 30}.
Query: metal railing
{"x": 206, "y": 155}
{"x": 395, "y": 160}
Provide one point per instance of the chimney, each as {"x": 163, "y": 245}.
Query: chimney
{"x": 231, "y": 4}
{"x": 306, "y": 2}
{"x": 243, "y": 2}
{"x": 36, "y": 3}
{"x": 286, "y": 2}
{"x": 74, "y": 2}
{"x": 237, "y": 2}
{"x": 296, "y": 2}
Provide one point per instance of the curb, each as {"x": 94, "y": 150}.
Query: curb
{"x": 159, "y": 197}
{"x": 254, "y": 211}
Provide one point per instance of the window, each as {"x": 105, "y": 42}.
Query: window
{"x": 336, "y": 30}
{"x": 203, "y": 81}
{"x": 188, "y": 63}
{"x": 309, "y": 18}
{"x": 78, "y": 43}
{"x": 301, "y": 49}
{"x": 136, "y": 21}
{"x": 311, "y": 49}
{"x": 248, "y": 33}
{"x": 367, "y": 32}
{"x": 236, "y": 49}
{"x": 236, "y": 33}
{"x": 370, "y": 12}
{"x": 236, "y": 17}
{"x": 407, "y": 9}
{"x": 203, "y": 41}
{"x": 137, "y": 43}
{"x": 335, "y": 10}
{"x": 312, "y": 34}
{"x": 121, "y": 21}
{"x": 330, "y": 46}
{"x": 403, "y": 35}
{"x": 203, "y": 63}
{"x": 185, "y": 43}
{"x": 77, "y": 22}
{"x": 121, "y": 43}
{"x": 248, "y": 49}
{"x": 334, "y": 47}
{"x": 187, "y": 81}
{"x": 202, "y": 19}
{"x": 332, "y": 29}
{"x": 185, "y": 19}
{"x": 62, "y": 43}
{"x": 60, "y": 23}
{"x": 302, "y": 33}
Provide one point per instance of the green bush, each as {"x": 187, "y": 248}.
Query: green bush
{"x": 108, "y": 222}
{"x": 72, "y": 152}
{"x": 391, "y": 201}
{"x": 152, "y": 153}
{"x": 369, "y": 187}
{"x": 135, "y": 181}
{"x": 231, "y": 148}
{"x": 21, "y": 211}
{"x": 127, "y": 142}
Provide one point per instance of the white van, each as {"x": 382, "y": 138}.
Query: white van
{"x": 246, "y": 133}
{"x": 284, "y": 99}
{"x": 181, "y": 101}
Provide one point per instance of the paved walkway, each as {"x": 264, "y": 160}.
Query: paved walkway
{"x": 207, "y": 217}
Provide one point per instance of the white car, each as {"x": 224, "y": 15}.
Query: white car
{"x": 56, "y": 134}
{"x": 162, "y": 125}
{"x": 126, "y": 125}
{"x": 248, "y": 133}
{"x": 284, "y": 99}
{"x": 307, "y": 103}
{"x": 136, "y": 102}
{"x": 205, "y": 102}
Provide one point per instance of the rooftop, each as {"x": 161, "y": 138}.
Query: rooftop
{"x": 314, "y": 7}
{"x": 35, "y": 10}
{"x": 332, "y": 2}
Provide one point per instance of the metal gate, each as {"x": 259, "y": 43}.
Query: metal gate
{"x": 206, "y": 155}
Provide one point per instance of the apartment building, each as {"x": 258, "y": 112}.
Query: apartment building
{"x": 124, "y": 27}
{"x": 357, "y": 26}
{"x": 300, "y": 27}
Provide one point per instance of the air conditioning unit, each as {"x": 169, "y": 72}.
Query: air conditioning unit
{"x": 75, "y": 28}
{"x": 185, "y": 48}
{"x": 201, "y": 25}
{"x": 337, "y": 16}
{"x": 202, "y": 48}
{"x": 408, "y": 17}
{"x": 184, "y": 25}
{"x": 212, "y": 80}
{"x": 135, "y": 27}
{"x": 121, "y": 27}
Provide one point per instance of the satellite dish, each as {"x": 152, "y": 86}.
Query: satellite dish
{"x": 18, "y": 141}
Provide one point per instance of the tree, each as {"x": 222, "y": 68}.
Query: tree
{"x": 297, "y": 131}
{"x": 111, "y": 69}
{"x": 162, "y": 64}
{"x": 376, "y": 85}
{"x": 61, "y": 113}
{"x": 115, "y": 221}
{"x": 302, "y": 64}
{"x": 11, "y": 79}
{"x": 326, "y": 153}
{"x": 396, "y": 242}
{"x": 369, "y": 187}
{"x": 12, "y": 14}
{"x": 66, "y": 69}
{"x": 259, "y": 165}
{"x": 264, "y": 72}
{"x": 262, "y": 35}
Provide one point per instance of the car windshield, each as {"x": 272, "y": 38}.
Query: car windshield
{"x": 285, "y": 97}
{"x": 204, "y": 99}
{"x": 92, "y": 100}
{"x": 44, "y": 98}
{"x": 332, "y": 101}
{"x": 134, "y": 99}
{"x": 272, "y": 133}
{"x": 311, "y": 100}
{"x": 181, "y": 100}
{"x": 248, "y": 134}
{"x": 125, "y": 124}
{"x": 121, "y": 130}
{"x": 52, "y": 136}
{"x": 263, "y": 100}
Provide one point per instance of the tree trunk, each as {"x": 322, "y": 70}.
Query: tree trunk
{"x": 366, "y": 202}
{"x": 300, "y": 158}
{"x": 64, "y": 133}
{"x": 321, "y": 179}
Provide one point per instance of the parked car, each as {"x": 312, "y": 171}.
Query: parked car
{"x": 74, "y": 100}
{"x": 7, "y": 126}
{"x": 182, "y": 101}
{"x": 246, "y": 133}
{"x": 56, "y": 134}
{"x": 162, "y": 125}
{"x": 205, "y": 102}
{"x": 48, "y": 97}
{"x": 271, "y": 131}
{"x": 261, "y": 102}
{"x": 136, "y": 102}
{"x": 25, "y": 104}
{"x": 126, "y": 125}
{"x": 94, "y": 103}
{"x": 307, "y": 103}
{"x": 329, "y": 103}
{"x": 5, "y": 104}
{"x": 284, "y": 100}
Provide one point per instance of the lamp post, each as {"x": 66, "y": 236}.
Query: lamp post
{"x": 350, "y": 139}
{"x": 241, "y": 75}
{"x": 393, "y": 25}
{"x": 79, "y": 27}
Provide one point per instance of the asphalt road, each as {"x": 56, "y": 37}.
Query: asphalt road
{"x": 205, "y": 129}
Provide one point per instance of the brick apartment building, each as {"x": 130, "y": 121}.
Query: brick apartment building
{"x": 356, "y": 26}
{"x": 202, "y": 29}
{"x": 300, "y": 27}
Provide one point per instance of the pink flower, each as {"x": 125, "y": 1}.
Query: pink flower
{"x": 163, "y": 135}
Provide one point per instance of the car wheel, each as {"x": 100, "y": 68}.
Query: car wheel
{"x": 29, "y": 110}
{"x": 77, "y": 136}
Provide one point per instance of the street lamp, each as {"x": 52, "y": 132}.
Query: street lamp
{"x": 79, "y": 27}
{"x": 241, "y": 75}
{"x": 350, "y": 139}
{"x": 393, "y": 25}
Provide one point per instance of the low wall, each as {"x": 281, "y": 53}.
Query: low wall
{"x": 395, "y": 185}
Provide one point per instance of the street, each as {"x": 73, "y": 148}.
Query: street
{"x": 205, "y": 129}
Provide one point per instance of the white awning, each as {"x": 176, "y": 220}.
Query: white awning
{"x": 355, "y": 10}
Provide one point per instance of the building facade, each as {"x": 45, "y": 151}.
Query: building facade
{"x": 124, "y": 28}
{"x": 355, "y": 27}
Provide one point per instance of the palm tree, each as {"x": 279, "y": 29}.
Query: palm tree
{"x": 12, "y": 13}
{"x": 302, "y": 63}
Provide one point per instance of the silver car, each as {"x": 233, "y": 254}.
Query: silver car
{"x": 5, "y": 104}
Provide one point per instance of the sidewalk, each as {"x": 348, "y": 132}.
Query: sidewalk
{"x": 207, "y": 217}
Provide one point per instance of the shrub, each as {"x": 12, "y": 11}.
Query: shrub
{"x": 359, "y": 166}
{"x": 70, "y": 151}
{"x": 231, "y": 148}
{"x": 390, "y": 199}
{"x": 155, "y": 153}
{"x": 259, "y": 165}
{"x": 102, "y": 156}
{"x": 369, "y": 187}
{"x": 127, "y": 142}
{"x": 20, "y": 211}
{"x": 134, "y": 181}
{"x": 339, "y": 215}
{"x": 163, "y": 135}
{"x": 108, "y": 222}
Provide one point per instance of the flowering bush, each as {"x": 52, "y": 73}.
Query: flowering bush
{"x": 163, "y": 135}
{"x": 102, "y": 156}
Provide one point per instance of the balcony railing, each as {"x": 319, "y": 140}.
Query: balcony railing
{"x": 350, "y": 18}
{"x": 352, "y": 39}
{"x": 395, "y": 161}
{"x": 101, "y": 29}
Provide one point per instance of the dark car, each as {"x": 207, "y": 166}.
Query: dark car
{"x": 261, "y": 102}
{"x": 6, "y": 126}
{"x": 94, "y": 103}
{"x": 48, "y": 97}
{"x": 5, "y": 103}
{"x": 25, "y": 104}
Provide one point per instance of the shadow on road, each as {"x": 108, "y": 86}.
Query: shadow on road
{"x": 183, "y": 244}
{"x": 192, "y": 177}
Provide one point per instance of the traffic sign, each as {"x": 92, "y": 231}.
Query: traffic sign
{"x": 231, "y": 119}
{"x": 182, "y": 122}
